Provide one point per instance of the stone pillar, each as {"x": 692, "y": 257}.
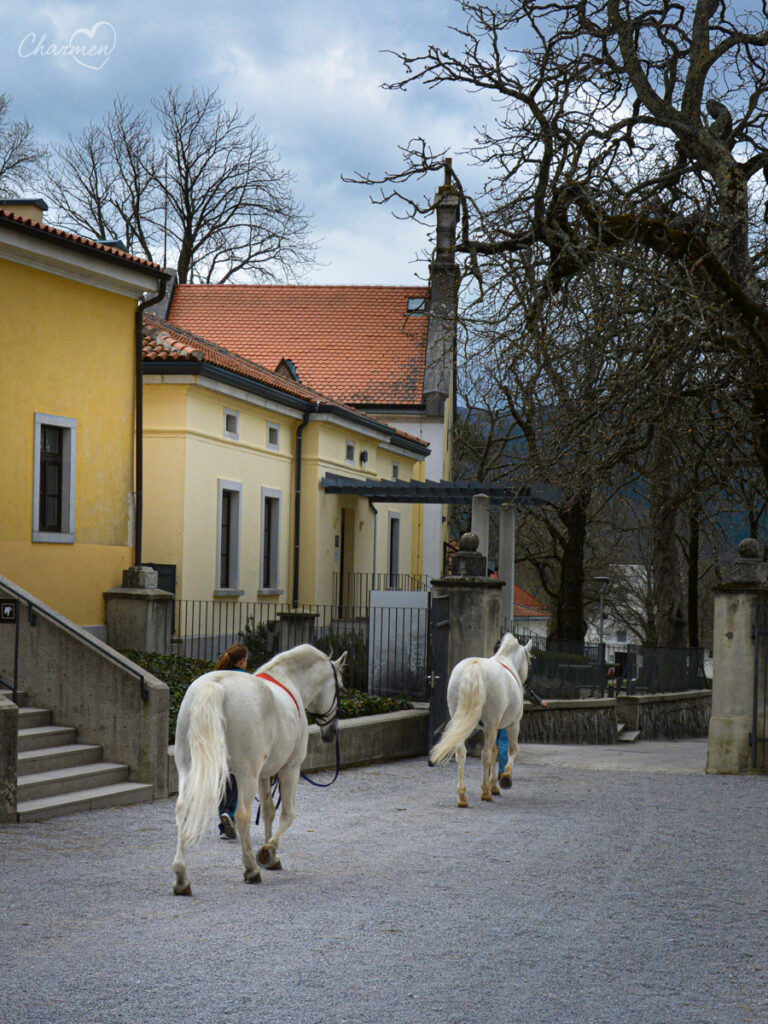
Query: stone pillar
{"x": 139, "y": 615}
{"x": 481, "y": 511}
{"x": 738, "y": 605}
{"x": 474, "y": 609}
{"x": 507, "y": 516}
{"x": 469, "y": 627}
{"x": 296, "y": 627}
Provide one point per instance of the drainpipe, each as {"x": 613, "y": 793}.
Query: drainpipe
{"x": 148, "y": 301}
{"x": 297, "y": 504}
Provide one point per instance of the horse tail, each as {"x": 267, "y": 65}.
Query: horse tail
{"x": 467, "y": 717}
{"x": 202, "y": 788}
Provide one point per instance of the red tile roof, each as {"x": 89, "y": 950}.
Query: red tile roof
{"x": 526, "y": 605}
{"x": 165, "y": 342}
{"x": 67, "y": 236}
{"x": 355, "y": 342}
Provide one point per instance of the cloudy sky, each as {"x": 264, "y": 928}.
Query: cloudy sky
{"x": 309, "y": 72}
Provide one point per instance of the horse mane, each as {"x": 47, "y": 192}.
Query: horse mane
{"x": 289, "y": 656}
{"x": 509, "y": 645}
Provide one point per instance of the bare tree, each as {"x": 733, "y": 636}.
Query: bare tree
{"x": 621, "y": 125}
{"x": 21, "y": 157}
{"x": 192, "y": 179}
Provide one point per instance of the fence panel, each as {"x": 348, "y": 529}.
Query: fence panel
{"x": 387, "y": 647}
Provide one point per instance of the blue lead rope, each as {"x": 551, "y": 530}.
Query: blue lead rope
{"x": 320, "y": 785}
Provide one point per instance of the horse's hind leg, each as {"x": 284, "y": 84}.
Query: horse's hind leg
{"x": 513, "y": 731}
{"x": 246, "y": 792}
{"x": 489, "y": 746}
{"x": 289, "y": 780}
{"x": 181, "y": 886}
{"x": 461, "y": 789}
{"x": 268, "y": 816}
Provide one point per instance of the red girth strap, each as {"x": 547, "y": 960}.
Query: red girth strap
{"x": 263, "y": 675}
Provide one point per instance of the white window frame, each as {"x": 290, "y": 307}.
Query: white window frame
{"x": 69, "y": 462}
{"x": 234, "y": 538}
{"x": 273, "y": 446}
{"x": 272, "y": 585}
{"x": 395, "y": 470}
{"x": 233, "y": 435}
{"x": 349, "y": 459}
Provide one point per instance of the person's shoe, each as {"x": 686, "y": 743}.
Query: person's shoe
{"x": 227, "y": 827}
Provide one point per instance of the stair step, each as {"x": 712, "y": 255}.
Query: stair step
{"x": 46, "y": 736}
{"x": 630, "y": 736}
{"x": 86, "y": 800}
{"x": 69, "y": 780}
{"x": 47, "y": 759}
{"x": 33, "y": 718}
{"x": 21, "y": 696}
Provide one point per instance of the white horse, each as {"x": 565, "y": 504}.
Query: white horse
{"x": 485, "y": 692}
{"x": 253, "y": 727}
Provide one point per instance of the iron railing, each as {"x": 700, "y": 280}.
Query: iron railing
{"x": 571, "y": 669}
{"x": 387, "y": 647}
{"x": 353, "y": 588}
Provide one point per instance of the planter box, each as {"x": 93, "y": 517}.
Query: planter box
{"x": 366, "y": 740}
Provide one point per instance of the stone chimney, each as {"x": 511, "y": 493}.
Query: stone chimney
{"x": 33, "y": 209}
{"x": 443, "y": 290}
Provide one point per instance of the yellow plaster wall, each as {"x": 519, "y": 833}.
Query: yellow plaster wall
{"x": 186, "y": 454}
{"x": 67, "y": 349}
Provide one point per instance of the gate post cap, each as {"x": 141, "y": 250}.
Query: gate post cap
{"x": 469, "y": 541}
{"x": 749, "y": 548}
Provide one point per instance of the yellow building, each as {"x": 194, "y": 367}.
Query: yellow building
{"x": 227, "y": 513}
{"x": 68, "y": 357}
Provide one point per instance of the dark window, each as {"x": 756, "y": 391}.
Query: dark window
{"x": 51, "y": 478}
{"x": 394, "y": 551}
{"x": 269, "y": 567}
{"x": 225, "y": 574}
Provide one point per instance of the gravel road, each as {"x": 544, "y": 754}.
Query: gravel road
{"x": 589, "y": 893}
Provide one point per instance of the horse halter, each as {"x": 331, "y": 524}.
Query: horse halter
{"x": 326, "y": 717}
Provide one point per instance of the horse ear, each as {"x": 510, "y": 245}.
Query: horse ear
{"x": 528, "y": 646}
{"x": 339, "y": 663}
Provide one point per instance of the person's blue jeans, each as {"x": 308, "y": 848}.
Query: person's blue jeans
{"x": 503, "y": 742}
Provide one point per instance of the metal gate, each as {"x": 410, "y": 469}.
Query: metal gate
{"x": 440, "y": 669}
{"x": 758, "y": 737}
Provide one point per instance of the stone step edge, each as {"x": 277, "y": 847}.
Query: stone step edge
{"x": 84, "y": 800}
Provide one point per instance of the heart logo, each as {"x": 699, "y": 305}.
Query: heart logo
{"x": 90, "y": 52}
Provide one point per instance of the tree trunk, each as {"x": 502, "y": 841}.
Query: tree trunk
{"x": 693, "y": 576}
{"x": 569, "y": 609}
{"x": 666, "y": 572}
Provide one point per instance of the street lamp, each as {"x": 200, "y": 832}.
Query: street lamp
{"x": 603, "y": 581}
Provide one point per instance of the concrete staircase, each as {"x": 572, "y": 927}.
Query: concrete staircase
{"x": 57, "y": 775}
{"x": 625, "y": 734}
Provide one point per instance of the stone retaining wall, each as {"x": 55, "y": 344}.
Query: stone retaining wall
{"x": 667, "y": 716}
{"x": 570, "y": 721}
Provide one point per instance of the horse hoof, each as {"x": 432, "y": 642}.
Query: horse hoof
{"x": 266, "y": 856}
{"x": 277, "y": 866}
{"x": 462, "y": 802}
{"x": 252, "y": 877}
{"x": 496, "y": 791}
{"x": 505, "y": 782}
{"x": 182, "y": 890}
{"x": 487, "y": 796}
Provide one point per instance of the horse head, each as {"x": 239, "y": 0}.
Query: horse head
{"x": 325, "y": 704}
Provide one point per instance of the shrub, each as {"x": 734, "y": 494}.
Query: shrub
{"x": 178, "y": 672}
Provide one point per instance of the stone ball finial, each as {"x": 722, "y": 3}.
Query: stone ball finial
{"x": 749, "y": 548}
{"x": 469, "y": 541}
